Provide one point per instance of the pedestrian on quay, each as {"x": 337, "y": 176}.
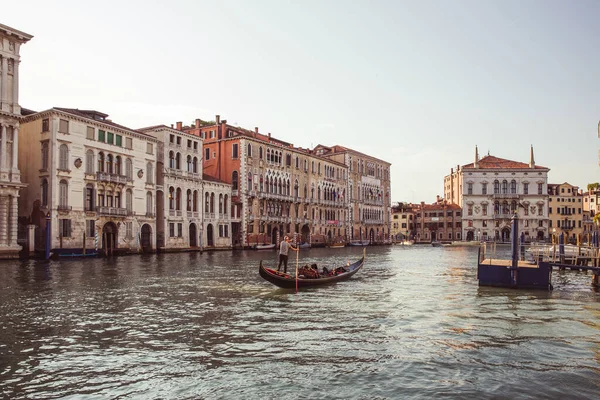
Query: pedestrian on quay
{"x": 284, "y": 247}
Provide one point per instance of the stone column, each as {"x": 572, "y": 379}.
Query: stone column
{"x": 3, "y": 221}
{"x": 13, "y": 222}
{"x": 3, "y": 147}
{"x": 4, "y": 91}
{"x": 15, "y": 148}
{"x": 15, "y": 96}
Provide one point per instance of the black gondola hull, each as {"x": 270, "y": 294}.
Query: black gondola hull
{"x": 289, "y": 281}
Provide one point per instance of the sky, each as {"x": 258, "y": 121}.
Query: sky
{"x": 417, "y": 84}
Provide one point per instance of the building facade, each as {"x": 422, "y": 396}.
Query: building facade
{"x": 566, "y": 211}
{"x": 91, "y": 179}
{"x": 491, "y": 190}
{"x": 403, "y": 222}
{"x": 277, "y": 189}
{"x": 440, "y": 221}
{"x": 10, "y": 113}
{"x": 369, "y": 195}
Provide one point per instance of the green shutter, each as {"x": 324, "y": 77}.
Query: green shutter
{"x": 119, "y": 140}
{"x": 100, "y": 135}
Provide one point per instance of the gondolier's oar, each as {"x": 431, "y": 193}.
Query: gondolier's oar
{"x": 297, "y": 251}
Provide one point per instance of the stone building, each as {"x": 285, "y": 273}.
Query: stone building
{"x": 10, "y": 113}
{"x": 89, "y": 177}
{"x": 193, "y": 210}
{"x": 277, "y": 189}
{"x": 403, "y": 222}
{"x": 440, "y": 221}
{"x": 369, "y": 183}
{"x": 491, "y": 190}
{"x": 566, "y": 211}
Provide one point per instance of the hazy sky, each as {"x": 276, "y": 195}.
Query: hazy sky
{"x": 417, "y": 84}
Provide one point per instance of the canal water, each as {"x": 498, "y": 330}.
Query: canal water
{"x": 413, "y": 323}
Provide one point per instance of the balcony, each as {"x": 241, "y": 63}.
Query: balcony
{"x": 505, "y": 196}
{"x": 112, "y": 211}
{"x": 150, "y": 215}
{"x": 108, "y": 177}
{"x": 62, "y": 207}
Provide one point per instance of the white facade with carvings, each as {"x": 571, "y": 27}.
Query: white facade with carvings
{"x": 179, "y": 192}
{"x": 491, "y": 190}
{"x": 91, "y": 178}
{"x": 10, "y": 112}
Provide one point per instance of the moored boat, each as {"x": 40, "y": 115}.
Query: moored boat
{"x": 359, "y": 243}
{"x": 304, "y": 246}
{"x": 264, "y": 246}
{"x": 336, "y": 245}
{"x": 435, "y": 243}
{"x": 288, "y": 281}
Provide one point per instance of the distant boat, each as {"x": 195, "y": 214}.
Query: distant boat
{"x": 336, "y": 245}
{"x": 264, "y": 246}
{"x": 304, "y": 246}
{"x": 435, "y": 243}
{"x": 359, "y": 243}
{"x": 407, "y": 242}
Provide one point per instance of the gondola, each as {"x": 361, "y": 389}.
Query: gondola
{"x": 288, "y": 281}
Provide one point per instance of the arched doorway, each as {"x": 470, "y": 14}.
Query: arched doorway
{"x": 470, "y": 236}
{"x": 371, "y": 236}
{"x": 109, "y": 238}
{"x": 305, "y": 234}
{"x": 506, "y": 234}
{"x": 146, "y": 238}
{"x": 210, "y": 240}
{"x": 274, "y": 232}
{"x": 193, "y": 235}
{"x": 329, "y": 236}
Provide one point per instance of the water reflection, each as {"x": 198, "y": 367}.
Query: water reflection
{"x": 412, "y": 323}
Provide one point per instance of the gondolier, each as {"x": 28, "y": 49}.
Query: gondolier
{"x": 283, "y": 253}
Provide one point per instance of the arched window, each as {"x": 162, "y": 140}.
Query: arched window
{"x": 118, "y": 165}
{"x": 496, "y": 187}
{"x": 212, "y": 202}
{"x": 101, "y": 162}
{"x": 296, "y": 188}
{"x": 63, "y": 157}
{"x": 188, "y": 205}
{"x": 206, "y": 203}
{"x": 249, "y": 149}
{"x": 171, "y": 198}
{"x": 149, "y": 173}
{"x": 195, "y": 201}
{"x": 260, "y": 153}
{"x": 513, "y": 186}
{"x": 149, "y": 208}
{"x": 195, "y": 165}
{"x": 504, "y": 187}
{"x": 178, "y": 161}
{"x": 45, "y": 158}
{"x": 234, "y": 180}
{"x": 225, "y": 205}
{"x": 190, "y": 166}
{"x": 63, "y": 199}
{"x": 129, "y": 169}
{"x": 221, "y": 204}
{"x": 178, "y": 198}
{"x": 171, "y": 160}
{"x": 109, "y": 163}
{"x": 89, "y": 162}
{"x": 129, "y": 201}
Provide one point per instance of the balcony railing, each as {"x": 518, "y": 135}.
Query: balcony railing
{"x": 117, "y": 211}
{"x": 62, "y": 207}
{"x": 505, "y": 196}
{"x": 108, "y": 177}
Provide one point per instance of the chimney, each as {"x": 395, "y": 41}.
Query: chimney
{"x": 269, "y": 137}
{"x": 179, "y": 125}
{"x": 171, "y": 126}
{"x": 476, "y": 163}
{"x": 197, "y": 122}
{"x": 218, "y": 119}
{"x": 531, "y": 160}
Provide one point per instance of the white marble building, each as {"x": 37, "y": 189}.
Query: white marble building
{"x": 10, "y": 112}
{"x": 217, "y": 213}
{"x": 91, "y": 178}
{"x": 179, "y": 191}
{"x": 490, "y": 190}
